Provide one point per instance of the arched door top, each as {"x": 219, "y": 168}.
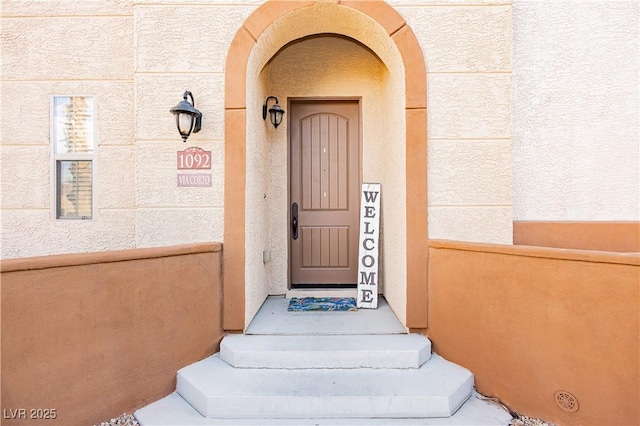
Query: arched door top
{"x": 379, "y": 13}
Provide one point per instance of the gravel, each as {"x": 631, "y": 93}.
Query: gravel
{"x": 125, "y": 419}
{"x": 517, "y": 420}
{"x": 528, "y": 421}
{"x": 128, "y": 420}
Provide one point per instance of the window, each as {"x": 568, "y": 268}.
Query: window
{"x": 73, "y": 139}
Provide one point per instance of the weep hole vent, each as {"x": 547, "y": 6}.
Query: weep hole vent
{"x": 566, "y": 401}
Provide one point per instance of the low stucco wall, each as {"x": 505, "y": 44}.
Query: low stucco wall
{"x": 605, "y": 236}
{"x": 94, "y": 335}
{"x": 529, "y": 321}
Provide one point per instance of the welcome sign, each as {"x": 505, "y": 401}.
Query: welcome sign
{"x": 368, "y": 249}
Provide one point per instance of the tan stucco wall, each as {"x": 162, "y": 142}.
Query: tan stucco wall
{"x": 159, "y": 49}
{"x": 260, "y": 137}
{"x": 532, "y": 321}
{"x": 467, "y": 49}
{"x": 180, "y": 46}
{"x": 94, "y": 335}
{"x": 55, "y": 50}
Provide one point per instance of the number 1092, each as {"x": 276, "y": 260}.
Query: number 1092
{"x": 194, "y": 160}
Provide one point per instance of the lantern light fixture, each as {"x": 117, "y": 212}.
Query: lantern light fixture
{"x": 275, "y": 112}
{"x": 188, "y": 118}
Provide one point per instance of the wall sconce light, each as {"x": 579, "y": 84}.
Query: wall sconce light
{"x": 188, "y": 118}
{"x": 275, "y": 112}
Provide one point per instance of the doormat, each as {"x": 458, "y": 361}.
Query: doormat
{"x": 303, "y": 304}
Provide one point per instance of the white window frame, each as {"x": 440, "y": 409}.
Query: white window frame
{"x": 55, "y": 157}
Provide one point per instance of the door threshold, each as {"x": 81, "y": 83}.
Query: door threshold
{"x": 321, "y": 292}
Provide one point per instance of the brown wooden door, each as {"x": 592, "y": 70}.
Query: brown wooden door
{"x": 325, "y": 177}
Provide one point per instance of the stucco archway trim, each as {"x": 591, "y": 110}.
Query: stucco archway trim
{"x": 235, "y": 153}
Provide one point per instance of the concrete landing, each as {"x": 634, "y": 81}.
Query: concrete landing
{"x": 337, "y": 351}
{"x": 173, "y": 410}
{"x": 274, "y": 319}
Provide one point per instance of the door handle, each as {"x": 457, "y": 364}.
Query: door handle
{"x": 294, "y": 221}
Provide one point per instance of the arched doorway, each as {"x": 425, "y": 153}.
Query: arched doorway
{"x": 394, "y": 153}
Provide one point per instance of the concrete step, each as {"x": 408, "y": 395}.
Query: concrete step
{"x": 292, "y": 352}
{"x": 173, "y": 410}
{"x": 218, "y": 390}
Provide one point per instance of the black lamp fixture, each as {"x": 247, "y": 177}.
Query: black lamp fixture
{"x": 275, "y": 112}
{"x": 188, "y": 118}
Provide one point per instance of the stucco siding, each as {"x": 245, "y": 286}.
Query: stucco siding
{"x": 469, "y": 106}
{"x": 31, "y": 232}
{"x": 165, "y": 227}
{"x": 468, "y": 172}
{"x": 61, "y": 48}
{"x": 18, "y": 172}
{"x": 260, "y": 136}
{"x": 462, "y": 39}
{"x": 467, "y": 46}
{"x": 116, "y": 177}
{"x": 576, "y": 110}
{"x": 20, "y": 8}
{"x": 185, "y": 38}
{"x": 572, "y": 110}
{"x": 474, "y": 224}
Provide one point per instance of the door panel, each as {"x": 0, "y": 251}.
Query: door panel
{"x": 325, "y": 177}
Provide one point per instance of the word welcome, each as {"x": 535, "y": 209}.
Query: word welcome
{"x": 368, "y": 250}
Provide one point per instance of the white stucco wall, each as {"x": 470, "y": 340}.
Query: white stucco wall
{"x": 572, "y": 113}
{"x": 56, "y": 50}
{"x": 467, "y": 49}
{"x": 257, "y": 194}
{"x": 180, "y": 46}
{"x": 390, "y": 160}
{"x": 576, "y": 110}
{"x": 159, "y": 48}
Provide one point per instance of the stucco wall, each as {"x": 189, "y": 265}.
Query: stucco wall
{"x": 467, "y": 48}
{"x": 260, "y": 138}
{"x": 94, "y": 335}
{"x": 180, "y": 46}
{"x": 574, "y": 105}
{"x": 155, "y": 51}
{"x": 533, "y": 321}
{"x": 136, "y": 78}
{"x": 576, "y": 110}
{"x": 56, "y": 50}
